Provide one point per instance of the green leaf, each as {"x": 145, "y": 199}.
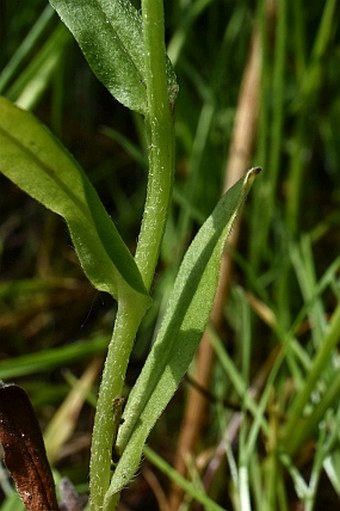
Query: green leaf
{"x": 39, "y": 165}
{"x": 47, "y": 359}
{"x": 179, "y": 335}
{"x": 32, "y": 81}
{"x": 109, "y": 33}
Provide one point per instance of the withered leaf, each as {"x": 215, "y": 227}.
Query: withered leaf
{"x": 24, "y": 451}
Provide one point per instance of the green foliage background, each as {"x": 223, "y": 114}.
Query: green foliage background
{"x": 288, "y": 255}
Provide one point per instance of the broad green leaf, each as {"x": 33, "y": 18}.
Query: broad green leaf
{"x": 39, "y": 165}
{"x": 179, "y": 335}
{"x": 109, "y": 33}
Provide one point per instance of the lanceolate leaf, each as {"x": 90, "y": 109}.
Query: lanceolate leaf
{"x": 184, "y": 322}
{"x": 109, "y": 33}
{"x": 39, "y": 165}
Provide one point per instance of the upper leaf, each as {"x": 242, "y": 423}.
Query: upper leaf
{"x": 35, "y": 161}
{"x": 109, "y": 33}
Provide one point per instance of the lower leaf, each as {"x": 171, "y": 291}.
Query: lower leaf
{"x": 179, "y": 335}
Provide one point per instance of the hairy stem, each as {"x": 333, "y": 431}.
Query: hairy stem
{"x": 159, "y": 129}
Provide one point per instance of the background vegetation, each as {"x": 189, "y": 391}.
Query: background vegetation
{"x": 285, "y": 280}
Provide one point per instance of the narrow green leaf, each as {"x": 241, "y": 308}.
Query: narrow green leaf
{"x": 189, "y": 487}
{"x": 43, "y": 361}
{"x": 39, "y": 165}
{"x": 183, "y": 325}
{"x": 32, "y": 81}
{"x": 291, "y": 440}
{"x": 109, "y": 33}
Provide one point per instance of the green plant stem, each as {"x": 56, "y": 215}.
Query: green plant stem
{"x": 159, "y": 129}
{"x": 160, "y": 139}
{"x": 290, "y": 445}
{"x": 128, "y": 319}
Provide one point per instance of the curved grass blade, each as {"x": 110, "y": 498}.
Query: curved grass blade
{"x": 39, "y": 165}
{"x": 179, "y": 335}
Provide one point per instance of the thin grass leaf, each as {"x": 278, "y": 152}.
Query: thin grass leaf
{"x": 39, "y": 165}
{"x": 31, "y": 83}
{"x": 293, "y": 436}
{"x": 12, "y": 67}
{"x": 45, "y": 360}
{"x": 63, "y": 423}
{"x": 182, "y": 328}
{"x": 189, "y": 487}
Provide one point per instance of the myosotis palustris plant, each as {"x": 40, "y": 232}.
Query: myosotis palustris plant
{"x": 125, "y": 49}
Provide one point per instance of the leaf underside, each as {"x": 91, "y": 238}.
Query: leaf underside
{"x": 186, "y": 317}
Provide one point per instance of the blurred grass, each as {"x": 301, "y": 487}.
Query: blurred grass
{"x": 286, "y": 282}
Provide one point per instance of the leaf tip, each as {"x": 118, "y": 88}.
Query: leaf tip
{"x": 255, "y": 171}
{"x": 252, "y": 175}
